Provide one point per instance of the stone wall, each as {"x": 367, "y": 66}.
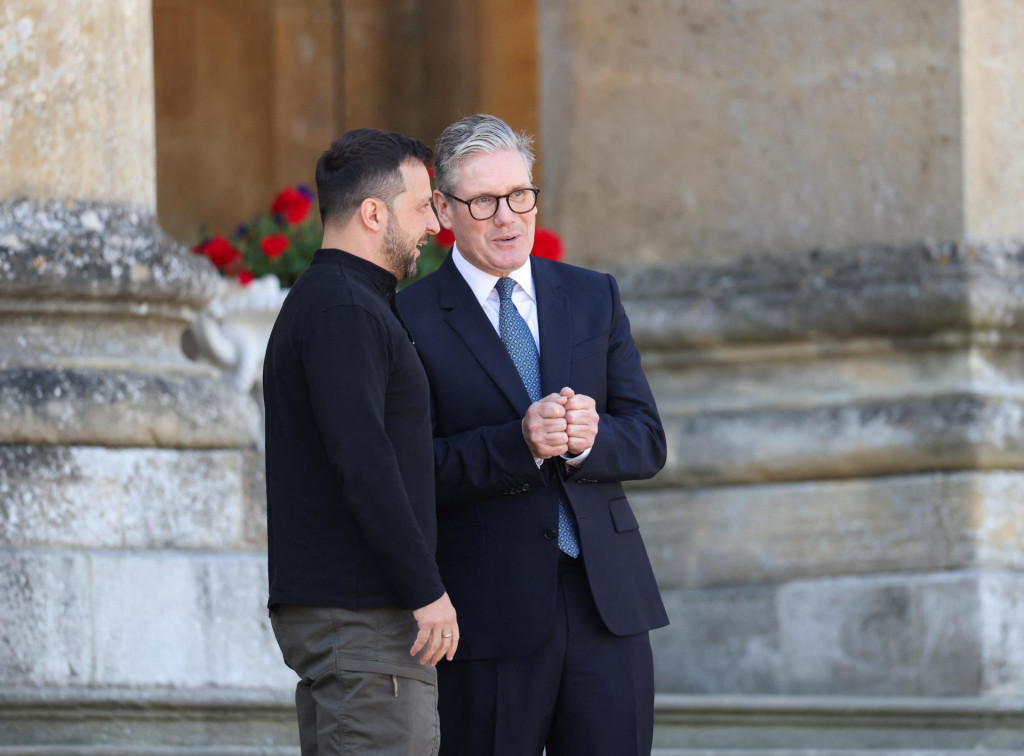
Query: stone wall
{"x": 132, "y": 515}
{"x": 813, "y": 208}
{"x": 715, "y": 129}
{"x": 63, "y": 130}
{"x": 841, "y": 509}
{"x": 132, "y": 552}
{"x": 824, "y": 199}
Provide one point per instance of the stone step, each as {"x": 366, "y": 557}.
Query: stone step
{"x": 820, "y": 752}
{"x": 131, "y": 721}
{"x": 92, "y": 750}
{"x": 751, "y": 725}
{"x": 261, "y": 722}
{"x": 146, "y": 750}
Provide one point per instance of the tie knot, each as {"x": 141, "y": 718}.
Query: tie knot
{"x": 504, "y": 287}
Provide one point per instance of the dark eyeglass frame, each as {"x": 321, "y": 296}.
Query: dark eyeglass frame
{"x": 497, "y": 201}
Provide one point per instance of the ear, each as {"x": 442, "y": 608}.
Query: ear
{"x": 444, "y": 208}
{"x": 373, "y": 214}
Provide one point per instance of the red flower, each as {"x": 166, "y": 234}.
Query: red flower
{"x": 291, "y": 204}
{"x": 219, "y": 251}
{"x": 546, "y": 243}
{"x": 245, "y": 276}
{"x": 274, "y": 245}
{"x": 445, "y": 237}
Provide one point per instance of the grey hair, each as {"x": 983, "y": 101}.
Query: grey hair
{"x": 479, "y": 134}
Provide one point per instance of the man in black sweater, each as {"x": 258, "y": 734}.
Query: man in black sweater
{"x": 355, "y": 593}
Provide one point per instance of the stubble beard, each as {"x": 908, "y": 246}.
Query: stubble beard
{"x": 400, "y": 259}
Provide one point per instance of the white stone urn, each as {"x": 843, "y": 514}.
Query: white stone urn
{"x": 232, "y": 332}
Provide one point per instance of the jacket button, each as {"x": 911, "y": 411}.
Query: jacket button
{"x": 549, "y": 534}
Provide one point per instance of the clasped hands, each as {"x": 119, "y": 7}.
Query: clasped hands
{"x": 560, "y": 423}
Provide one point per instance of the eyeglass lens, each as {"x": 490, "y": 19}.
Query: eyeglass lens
{"x": 519, "y": 201}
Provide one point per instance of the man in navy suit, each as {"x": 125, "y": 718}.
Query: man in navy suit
{"x": 540, "y": 412}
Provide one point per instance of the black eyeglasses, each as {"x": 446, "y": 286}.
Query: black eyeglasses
{"x": 485, "y": 206}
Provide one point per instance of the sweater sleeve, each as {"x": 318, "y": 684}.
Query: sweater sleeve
{"x": 347, "y": 363}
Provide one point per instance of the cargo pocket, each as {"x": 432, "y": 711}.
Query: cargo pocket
{"x": 388, "y": 707}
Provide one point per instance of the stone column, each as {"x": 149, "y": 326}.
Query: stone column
{"x": 132, "y": 570}
{"x": 815, "y": 211}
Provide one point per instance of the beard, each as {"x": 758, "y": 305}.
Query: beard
{"x": 399, "y": 252}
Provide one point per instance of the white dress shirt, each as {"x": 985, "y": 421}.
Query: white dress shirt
{"x": 524, "y": 297}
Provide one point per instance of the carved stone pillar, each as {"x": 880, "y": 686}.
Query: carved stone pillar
{"x": 132, "y": 570}
{"x": 818, "y": 203}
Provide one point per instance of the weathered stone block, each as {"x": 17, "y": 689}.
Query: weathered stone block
{"x": 1001, "y": 608}
{"x": 108, "y": 618}
{"x": 719, "y": 639}
{"x": 871, "y": 291}
{"x": 123, "y": 408}
{"x": 89, "y": 338}
{"x": 889, "y": 636}
{"x": 144, "y": 634}
{"x": 912, "y": 635}
{"x": 90, "y": 250}
{"x": 46, "y": 636}
{"x": 874, "y": 361}
{"x": 240, "y": 648}
{"x": 94, "y": 298}
{"x": 255, "y": 514}
{"x": 736, "y": 535}
{"x": 91, "y": 497}
{"x": 862, "y": 437}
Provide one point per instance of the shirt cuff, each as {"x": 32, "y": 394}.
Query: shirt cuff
{"x": 578, "y": 459}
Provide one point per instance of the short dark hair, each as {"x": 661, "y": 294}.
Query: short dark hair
{"x": 364, "y": 163}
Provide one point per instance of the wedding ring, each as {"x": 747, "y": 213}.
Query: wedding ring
{"x": 446, "y": 636}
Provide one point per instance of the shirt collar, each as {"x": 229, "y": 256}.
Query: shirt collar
{"x": 380, "y": 279}
{"x": 482, "y": 283}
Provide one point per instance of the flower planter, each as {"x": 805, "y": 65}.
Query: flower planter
{"x": 232, "y": 332}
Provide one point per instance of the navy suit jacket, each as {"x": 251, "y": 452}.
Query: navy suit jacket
{"x": 497, "y": 511}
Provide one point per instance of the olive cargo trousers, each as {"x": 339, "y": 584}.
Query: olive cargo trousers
{"x": 360, "y": 693}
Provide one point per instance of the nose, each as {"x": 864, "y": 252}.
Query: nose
{"x": 504, "y": 216}
{"x": 432, "y": 224}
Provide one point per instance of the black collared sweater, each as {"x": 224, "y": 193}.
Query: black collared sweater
{"x": 350, "y": 465}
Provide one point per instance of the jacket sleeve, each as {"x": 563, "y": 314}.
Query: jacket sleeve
{"x": 630, "y": 442}
{"x": 346, "y": 355}
{"x": 484, "y": 462}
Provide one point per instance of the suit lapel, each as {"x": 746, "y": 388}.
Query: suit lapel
{"x": 463, "y": 314}
{"x": 554, "y": 318}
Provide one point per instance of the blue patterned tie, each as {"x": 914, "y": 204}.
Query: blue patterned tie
{"x": 518, "y": 340}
